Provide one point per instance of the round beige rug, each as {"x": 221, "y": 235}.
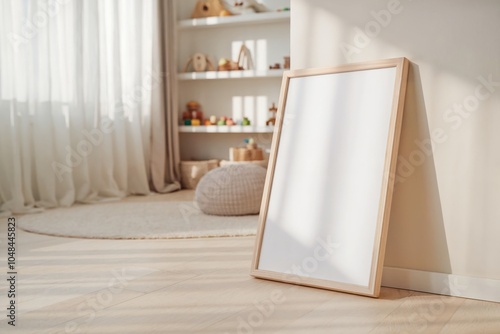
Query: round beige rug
{"x": 136, "y": 220}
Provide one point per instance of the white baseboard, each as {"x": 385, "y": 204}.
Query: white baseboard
{"x": 444, "y": 284}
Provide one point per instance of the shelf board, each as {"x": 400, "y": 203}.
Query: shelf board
{"x": 235, "y": 20}
{"x": 210, "y": 75}
{"x": 226, "y": 129}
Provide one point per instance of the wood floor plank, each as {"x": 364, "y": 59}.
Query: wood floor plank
{"x": 71, "y": 315}
{"x": 186, "y": 307}
{"x": 474, "y": 316}
{"x": 341, "y": 313}
{"x": 420, "y": 313}
{"x": 70, "y": 285}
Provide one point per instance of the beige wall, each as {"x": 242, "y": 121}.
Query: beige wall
{"x": 446, "y": 208}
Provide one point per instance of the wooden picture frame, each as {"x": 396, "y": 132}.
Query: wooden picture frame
{"x": 327, "y": 198}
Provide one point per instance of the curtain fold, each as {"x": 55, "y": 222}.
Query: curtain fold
{"x": 165, "y": 157}
{"x": 87, "y": 102}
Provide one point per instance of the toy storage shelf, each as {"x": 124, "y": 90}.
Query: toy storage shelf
{"x": 234, "y": 94}
{"x": 224, "y": 21}
{"x": 226, "y": 129}
{"x": 211, "y": 75}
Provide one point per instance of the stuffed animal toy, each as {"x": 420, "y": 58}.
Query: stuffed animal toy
{"x": 244, "y": 7}
{"x": 193, "y": 114}
{"x": 199, "y": 62}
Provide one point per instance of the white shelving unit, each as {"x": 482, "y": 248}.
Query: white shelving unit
{"x": 247, "y": 19}
{"x": 226, "y": 129}
{"x": 248, "y": 74}
{"x": 234, "y": 94}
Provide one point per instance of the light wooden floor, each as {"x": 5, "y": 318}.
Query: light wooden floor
{"x": 202, "y": 286}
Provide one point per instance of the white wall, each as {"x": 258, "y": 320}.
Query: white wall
{"x": 446, "y": 208}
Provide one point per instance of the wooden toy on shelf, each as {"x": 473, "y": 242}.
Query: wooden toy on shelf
{"x": 286, "y": 63}
{"x": 272, "y": 120}
{"x": 222, "y": 120}
{"x": 276, "y": 66}
{"x": 208, "y": 8}
{"x": 245, "y": 58}
{"x": 245, "y": 121}
{"x": 244, "y": 62}
{"x": 251, "y": 152}
{"x": 228, "y": 65}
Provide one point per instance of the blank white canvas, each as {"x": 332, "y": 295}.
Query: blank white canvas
{"x": 328, "y": 176}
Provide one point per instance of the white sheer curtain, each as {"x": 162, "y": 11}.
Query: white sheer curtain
{"x": 81, "y": 92}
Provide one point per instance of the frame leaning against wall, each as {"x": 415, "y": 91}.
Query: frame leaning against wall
{"x": 325, "y": 210}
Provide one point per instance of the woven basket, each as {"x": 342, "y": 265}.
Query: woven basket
{"x": 192, "y": 171}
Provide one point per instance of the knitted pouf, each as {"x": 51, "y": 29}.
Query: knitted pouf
{"x": 232, "y": 190}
